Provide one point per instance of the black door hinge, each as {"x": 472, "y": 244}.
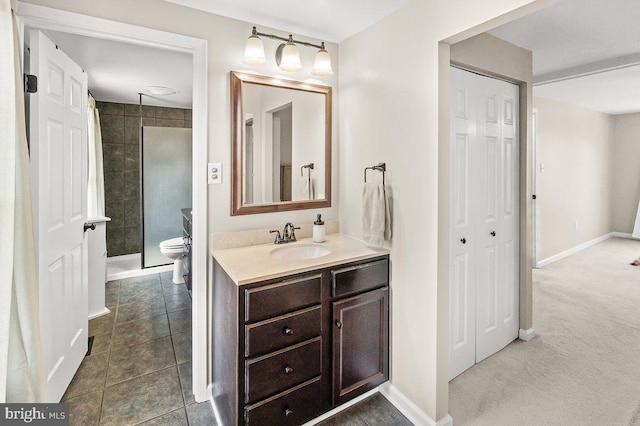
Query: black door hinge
{"x": 30, "y": 83}
{"x": 534, "y": 196}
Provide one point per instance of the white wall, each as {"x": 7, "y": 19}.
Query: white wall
{"x": 625, "y": 173}
{"x": 226, "y": 38}
{"x": 576, "y": 147}
{"x": 389, "y": 88}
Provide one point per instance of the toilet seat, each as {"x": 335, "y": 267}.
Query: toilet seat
{"x": 173, "y": 243}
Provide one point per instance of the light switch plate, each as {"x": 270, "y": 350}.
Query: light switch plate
{"x": 214, "y": 173}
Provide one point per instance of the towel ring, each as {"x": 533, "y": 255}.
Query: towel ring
{"x": 306, "y": 166}
{"x": 381, "y": 167}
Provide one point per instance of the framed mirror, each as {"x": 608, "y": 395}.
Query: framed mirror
{"x": 281, "y": 145}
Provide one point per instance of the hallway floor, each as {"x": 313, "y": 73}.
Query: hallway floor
{"x": 582, "y": 367}
{"x": 139, "y": 369}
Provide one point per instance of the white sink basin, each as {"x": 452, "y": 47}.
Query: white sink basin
{"x": 300, "y": 252}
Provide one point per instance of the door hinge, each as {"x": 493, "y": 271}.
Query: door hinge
{"x": 30, "y": 83}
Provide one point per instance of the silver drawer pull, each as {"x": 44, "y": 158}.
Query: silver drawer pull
{"x": 288, "y": 412}
{"x": 288, "y": 331}
{"x": 288, "y": 370}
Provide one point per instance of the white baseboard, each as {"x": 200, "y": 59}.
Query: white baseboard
{"x": 105, "y": 311}
{"x": 410, "y": 410}
{"x": 623, "y": 235}
{"x": 526, "y": 335}
{"x": 133, "y": 267}
{"x": 574, "y": 250}
{"x": 139, "y": 272}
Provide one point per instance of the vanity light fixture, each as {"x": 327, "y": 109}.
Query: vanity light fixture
{"x": 287, "y": 54}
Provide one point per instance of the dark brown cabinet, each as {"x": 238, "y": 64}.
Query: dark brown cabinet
{"x": 289, "y": 349}
{"x": 360, "y": 344}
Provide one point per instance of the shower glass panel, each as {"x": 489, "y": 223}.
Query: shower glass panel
{"x": 166, "y": 188}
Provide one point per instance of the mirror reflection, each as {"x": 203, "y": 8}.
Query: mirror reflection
{"x": 282, "y": 144}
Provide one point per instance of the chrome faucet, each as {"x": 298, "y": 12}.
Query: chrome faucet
{"x": 288, "y": 234}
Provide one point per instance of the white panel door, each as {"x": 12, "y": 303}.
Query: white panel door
{"x": 497, "y": 218}
{"x": 484, "y": 293}
{"x": 462, "y": 287}
{"x": 58, "y": 147}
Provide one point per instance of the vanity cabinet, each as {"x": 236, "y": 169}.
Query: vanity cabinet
{"x": 289, "y": 349}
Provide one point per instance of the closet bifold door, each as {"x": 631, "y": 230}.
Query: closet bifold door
{"x": 496, "y": 216}
{"x": 462, "y": 260}
{"x": 483, "y": 287}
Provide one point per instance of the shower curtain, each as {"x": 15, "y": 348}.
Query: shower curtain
{"x": 21, "y": 362}
{"x": 95, "y": 186}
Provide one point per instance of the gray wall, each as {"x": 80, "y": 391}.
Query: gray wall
{"x": 574, "y": 191}
{"x": 121, "y": 149}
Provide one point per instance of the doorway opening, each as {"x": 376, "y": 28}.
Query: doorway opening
{"x": 45, "y": 19}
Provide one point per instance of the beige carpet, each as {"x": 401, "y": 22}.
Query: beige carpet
{"x": 583, "y": 368}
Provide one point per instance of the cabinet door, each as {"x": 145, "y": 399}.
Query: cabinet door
{"x": 360, "y": 344}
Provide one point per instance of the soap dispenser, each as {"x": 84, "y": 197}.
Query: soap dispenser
{"x": 318, "y": 230}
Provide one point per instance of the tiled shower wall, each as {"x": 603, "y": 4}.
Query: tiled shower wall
{"x": 120, "y": 125}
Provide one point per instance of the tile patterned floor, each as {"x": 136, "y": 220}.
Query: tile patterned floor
{"x": 373, "y": 411}
{"x": 139, "y": 370}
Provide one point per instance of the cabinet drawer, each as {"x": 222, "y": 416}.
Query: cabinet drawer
{"x": 277, "y": 299}
{"x": 279, "y": 371}
{"x": 293, "y": 407}
{"x": 268, "y": 336}
{"x": 357, "y": 278}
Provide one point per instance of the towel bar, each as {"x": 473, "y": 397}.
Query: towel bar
{"x": 381, "y": 167}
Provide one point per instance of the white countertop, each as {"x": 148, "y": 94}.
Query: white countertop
{"x": 251, "y": 264}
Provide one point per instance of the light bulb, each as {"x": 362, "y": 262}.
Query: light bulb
{"x": 290, "y": 59}
{"x": 322, "y": 63}
{"x": 254, "y": 50}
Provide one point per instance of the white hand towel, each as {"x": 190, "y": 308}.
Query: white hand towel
{"x": 306, "y": 188}
{"x": 376, "y": 214}
{"x": 388, "y": 201}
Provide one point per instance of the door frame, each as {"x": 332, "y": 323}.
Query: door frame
{"x": 44, "y": 18}
{"x": 526, "y": 331}
{"x": 536, "y": 228}
{"x": 521, "y": 88}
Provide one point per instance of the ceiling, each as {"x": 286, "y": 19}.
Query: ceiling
{"x": 585, "y": 52}
{"x": 327, "y": 20}
{"x": 597, "y": 41}
{"x": 614, "y": 92}
{"x": 118, "y": 71}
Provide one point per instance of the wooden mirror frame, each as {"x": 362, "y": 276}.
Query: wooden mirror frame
{"x": 237, "y": 138}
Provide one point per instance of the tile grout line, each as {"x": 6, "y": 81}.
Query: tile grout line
{"x": 184, "y": 400}
{"x": 112, "y": 348}
{"x": 136, "y": 377}
{"x": 175, "y": 357}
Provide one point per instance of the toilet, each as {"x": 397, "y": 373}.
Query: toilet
{"x": 175, "y": 250}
